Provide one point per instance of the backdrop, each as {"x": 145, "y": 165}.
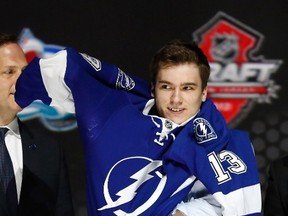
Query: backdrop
{"x": 245, "y": 42}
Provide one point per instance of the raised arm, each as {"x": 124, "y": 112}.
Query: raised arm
{"x": 52, "y": 80}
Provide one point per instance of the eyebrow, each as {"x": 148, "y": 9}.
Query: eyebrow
{"x": 182, "y": 84}
{"x": 10, "y": 67}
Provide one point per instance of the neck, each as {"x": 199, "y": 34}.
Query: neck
{"x": 6, "y": 119}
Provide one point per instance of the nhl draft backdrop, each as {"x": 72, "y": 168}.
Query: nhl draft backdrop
{"x": 245, "y": 41}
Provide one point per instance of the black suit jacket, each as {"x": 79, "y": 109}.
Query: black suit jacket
{"x": 45, "y": 187}
{"x": 276, "y": 199}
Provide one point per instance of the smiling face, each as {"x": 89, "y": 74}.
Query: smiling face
{"x": 178, "y": 92}
{"x": 12, "y": 62}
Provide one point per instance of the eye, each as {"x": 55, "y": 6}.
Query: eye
{"x": 7, "y": 72}
{"x": 165, "y": 86}
{"x": 188, "y": 88}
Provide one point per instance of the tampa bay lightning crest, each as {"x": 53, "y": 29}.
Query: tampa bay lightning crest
{"x": 203, "y": 130}
{"x": 118, "y": 192}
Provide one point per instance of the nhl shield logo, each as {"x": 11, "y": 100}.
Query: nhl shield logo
{"x": 225, "y": 48}
{"x": 239, "y": 79}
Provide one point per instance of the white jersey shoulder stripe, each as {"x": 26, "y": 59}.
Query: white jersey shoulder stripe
{"x": 53, "y": 71}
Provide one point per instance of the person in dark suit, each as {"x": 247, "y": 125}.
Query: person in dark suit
{"x": 276, "y": 199}
{"x": 41, "y": 184}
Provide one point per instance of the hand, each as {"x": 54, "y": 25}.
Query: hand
{"x": 178, "y": 213}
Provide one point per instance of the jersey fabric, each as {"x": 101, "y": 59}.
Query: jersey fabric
{"x": 136, "y": 163}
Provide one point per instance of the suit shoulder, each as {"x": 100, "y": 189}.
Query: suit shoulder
{"x": 38, "y": 134}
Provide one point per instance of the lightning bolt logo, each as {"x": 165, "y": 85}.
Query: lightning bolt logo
{"x": 203, "y": 129}
{"x": 128, "y": 193}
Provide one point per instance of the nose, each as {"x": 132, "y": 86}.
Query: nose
{"x": 176, "y": 97}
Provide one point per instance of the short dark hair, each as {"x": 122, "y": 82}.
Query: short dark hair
{"x": 179, "y": 52}
{"x": 7, "y": 38}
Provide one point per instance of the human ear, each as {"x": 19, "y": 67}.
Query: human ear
{"x": 204, "y": 95}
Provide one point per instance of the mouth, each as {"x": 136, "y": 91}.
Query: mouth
{"x": 175, "y": 109}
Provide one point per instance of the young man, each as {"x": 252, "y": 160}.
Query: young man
{"x": 40, "y": 184}
{"x": 145, "y": 155}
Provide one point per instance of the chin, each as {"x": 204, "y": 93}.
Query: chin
{"x": 180, "y": 121}
{"x": 176, "y": 121}
{"x": 15, "y": 107}
{"x": 18, "y": 108}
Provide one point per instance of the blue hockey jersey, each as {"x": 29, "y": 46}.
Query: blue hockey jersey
{"x": 136, "y": 163}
